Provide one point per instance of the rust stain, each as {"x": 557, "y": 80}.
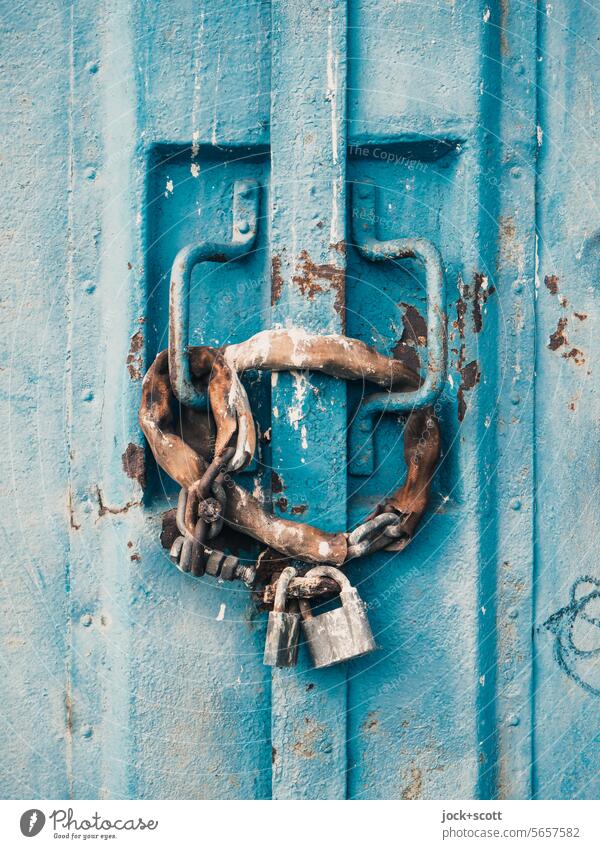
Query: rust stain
{"x": 481, "y": 292}
{"x": 414, "y": 335}
{"x": 69, "y": 712}
{"x": 313, "y": 279}
{"x": 576, "y": 355}
{"x": 103, "y": 508}
{"x": 415, "y": 326}
{"x": 459, "y": 324}
{"x": 72, "y": 521}
{"x": 314, "y": 737}
{"x": 558, "y": 338}
{"x": 135, "y": 556}
{"x": 134, "y": 358}
{"x": 134, "y": 463}
{"x": 340, "y": 247}
{"x": 276, "y": 279}
{"x": 470, "y": 376}
{"x": 282, "y": 503}
{"x": 169, "y": 531}
{"x": 414, "y": 788}
{"x": 298, "y": 510}
{"x": 509, "y": 250}
{"x": 371, "y": 723}
{"x": 277, "y": 484}
{"x": 551, "y": 283}
{"x": 580, "y": 315}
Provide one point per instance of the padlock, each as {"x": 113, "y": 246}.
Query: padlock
{"x": 283, "y": 629}
{"x": 340, "y": 634}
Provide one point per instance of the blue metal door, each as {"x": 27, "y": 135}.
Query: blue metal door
{"x": 472, "y": 125}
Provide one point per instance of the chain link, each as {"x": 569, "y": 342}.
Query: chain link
{"x": 204, "y": 503}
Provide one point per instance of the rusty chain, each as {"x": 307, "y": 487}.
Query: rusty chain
{"x": 200, "y": 450}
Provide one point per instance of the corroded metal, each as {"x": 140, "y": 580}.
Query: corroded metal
{"x": 188, "y": 461}
{"x": 283, "y": 628}
{"x": 243, "y": 512}
{"x": 333, "y": 354}
{"x": 340, "y": 634}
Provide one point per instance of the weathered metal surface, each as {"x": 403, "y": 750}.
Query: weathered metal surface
{"x": 476, "y": 122}
{"x": 567, "y": 410}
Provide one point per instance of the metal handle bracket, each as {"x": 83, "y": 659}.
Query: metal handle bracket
{"x": 245, "y": 214}
{"x": 362, "y": 461}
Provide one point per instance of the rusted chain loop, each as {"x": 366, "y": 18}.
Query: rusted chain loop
{"x": 198, "y": 492}
{"x": 185, "y": 451}
{"x": 362, "y": 538}
{"x": 187, "y": 552}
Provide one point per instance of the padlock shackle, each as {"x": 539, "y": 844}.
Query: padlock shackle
{"x": 281, "y": 591}
{"x": 330, "y": 572}
{"x": 305, "y": 609}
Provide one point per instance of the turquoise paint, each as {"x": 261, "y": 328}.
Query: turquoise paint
{"x": 130, "y": 124}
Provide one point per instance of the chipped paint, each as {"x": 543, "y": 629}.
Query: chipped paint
{"x": 135, "y": 361}
{"x": 134, "y": 463}
{"x": 559, "y": 338}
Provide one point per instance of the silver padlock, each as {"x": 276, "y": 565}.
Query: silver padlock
{"x": 283, "y": 629}
{"x": 340, "y": 634}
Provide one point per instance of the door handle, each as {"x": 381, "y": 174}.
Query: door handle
{"x": 245, "y": 214}
{"x": 362, "y": 459}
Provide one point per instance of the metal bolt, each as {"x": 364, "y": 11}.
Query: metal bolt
{"x": 244, "y": 226}
{"x": 515, "y": 503}
{"x": 513, "y": 719}
{"x": 246, "y": 574}
{"x": 86, "y": 620}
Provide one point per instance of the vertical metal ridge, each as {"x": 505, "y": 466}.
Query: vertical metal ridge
{"x": 122, "y": 321}
{"x": 539, "y": 109}
{"x": 69, "y": 407}
{"x": 308, "y": 159}
{"x": 515, "y": 153}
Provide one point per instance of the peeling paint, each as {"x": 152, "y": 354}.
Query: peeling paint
{"x": 470, "y": 376}
{"x": 558, "y": 338}
{"x": 133, "y": 460}
{"x": 414, "y": 788}
{"x": 134, "y": 358}
{"x": 313, "y": 279}
{"x": 276, "y": 280}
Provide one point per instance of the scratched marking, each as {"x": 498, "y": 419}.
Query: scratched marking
{"x": 577, "y": 631}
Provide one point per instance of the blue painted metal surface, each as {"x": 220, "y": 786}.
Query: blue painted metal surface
{"x": 477, "y": 124}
